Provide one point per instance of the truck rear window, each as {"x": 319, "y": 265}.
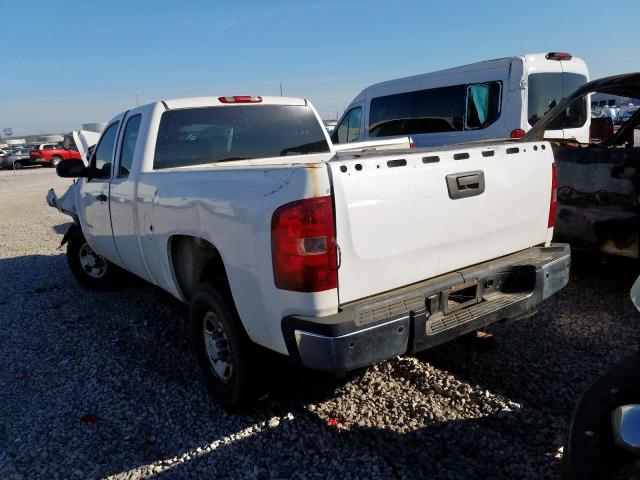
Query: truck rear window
{"x": 546, "y": 90}
{"x": 198, "y": 136}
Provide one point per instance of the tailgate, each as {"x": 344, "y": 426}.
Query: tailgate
{"x": 397, "y": 223}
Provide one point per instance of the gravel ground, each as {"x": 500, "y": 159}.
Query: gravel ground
{"x": 104, "y": 385}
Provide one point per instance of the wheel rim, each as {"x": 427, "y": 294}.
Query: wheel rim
{"x": 56, "y": 161}
{"x": 218, "y": 348}
{"x": 93, "y": 264}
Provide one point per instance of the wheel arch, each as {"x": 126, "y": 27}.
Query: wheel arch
{"x": 194, "y": 260}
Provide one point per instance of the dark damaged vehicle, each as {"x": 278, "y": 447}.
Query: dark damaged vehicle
{"x": 603, "y": 441}
{"x": 598, "y": 182}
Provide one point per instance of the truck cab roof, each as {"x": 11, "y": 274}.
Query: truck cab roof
{"x": 219, "y": 101}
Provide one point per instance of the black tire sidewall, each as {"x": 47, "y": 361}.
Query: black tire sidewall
{"x": 109, "y": 281}
{"x": 237, "y": 393}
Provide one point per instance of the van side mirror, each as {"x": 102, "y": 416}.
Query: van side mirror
{"x": 72, "y": 168}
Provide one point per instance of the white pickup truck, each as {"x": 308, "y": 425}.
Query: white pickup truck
{"x": 242, "y": 208}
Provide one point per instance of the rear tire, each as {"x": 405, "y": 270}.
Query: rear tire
{"x": 55, "y": 160}
{"x": 222, "y": 347}
{"x": 90, "y": 269}
{"x": 17, "y": 165}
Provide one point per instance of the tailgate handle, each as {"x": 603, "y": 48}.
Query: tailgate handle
{"x": 468, "y": 181}
{"x": 465, "y": 184}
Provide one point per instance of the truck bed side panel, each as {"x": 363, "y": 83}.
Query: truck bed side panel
{"x": 231, "y": 208}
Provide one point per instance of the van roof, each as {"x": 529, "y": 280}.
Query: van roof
{"x": 482, "y": 65}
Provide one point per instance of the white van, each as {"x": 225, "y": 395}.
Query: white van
{"x": 486, "y": 100}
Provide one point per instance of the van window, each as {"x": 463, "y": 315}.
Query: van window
{"x": 546, "y": 90}
{"x": 483, "y": 105}
{"x": 349, "y": 128}
{"x": 421, "y": 111}
{"x": 436, "y": 110}
{"x": 196, "y": 136}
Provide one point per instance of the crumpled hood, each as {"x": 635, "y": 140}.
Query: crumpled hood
{"x": 83, "y": 140}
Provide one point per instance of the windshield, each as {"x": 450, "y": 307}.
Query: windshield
{"x": 546, "y": 90}
{"x": 197, "y": 136}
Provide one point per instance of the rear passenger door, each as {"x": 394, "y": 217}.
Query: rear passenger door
{"x": 122, "y": 196}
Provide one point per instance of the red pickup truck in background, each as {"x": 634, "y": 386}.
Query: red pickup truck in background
{"x": 50, "y": 154}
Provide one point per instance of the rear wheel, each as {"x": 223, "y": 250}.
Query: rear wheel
{"x": 90, "y": 269}
{"x": 17, "y": 165}
{"x": 222, "y": 347}
{"x": 55, "y": 160}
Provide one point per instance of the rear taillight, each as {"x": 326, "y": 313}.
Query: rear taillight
{"x": 303, "y": 246}
{"x": 553, "y": 205}
{"x": 240, "y": 99}
{"x": 517, "y": 133}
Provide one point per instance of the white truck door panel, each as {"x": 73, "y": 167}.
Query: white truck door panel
{"x": 94, "y": 196}
{"x": 121, "y": 200}
{"x": 396, "y": 223}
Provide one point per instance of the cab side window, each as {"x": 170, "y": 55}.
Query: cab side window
{"x": 103, "y": 156}
{"x": 349, "y": 128}
{"x": 128, "y": 145}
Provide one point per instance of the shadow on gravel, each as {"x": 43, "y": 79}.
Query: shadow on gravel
{"x": 95, "y": 384}
{"x": 99, "y": 384}
{"x": 306, "y": 447}
{"x": 546, "y": 361}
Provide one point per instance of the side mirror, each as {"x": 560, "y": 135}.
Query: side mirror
{"x": 72, "y": 168}
{"x": 626, "y": 427}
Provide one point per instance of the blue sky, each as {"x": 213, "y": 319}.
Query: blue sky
{"x": 64, "y": 63}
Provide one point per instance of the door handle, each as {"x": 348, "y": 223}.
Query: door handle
{"x": 465, "y": 184}
{"x": 102, "y": 197}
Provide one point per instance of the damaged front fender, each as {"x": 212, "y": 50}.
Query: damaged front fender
{"x": 74, "y": 231}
